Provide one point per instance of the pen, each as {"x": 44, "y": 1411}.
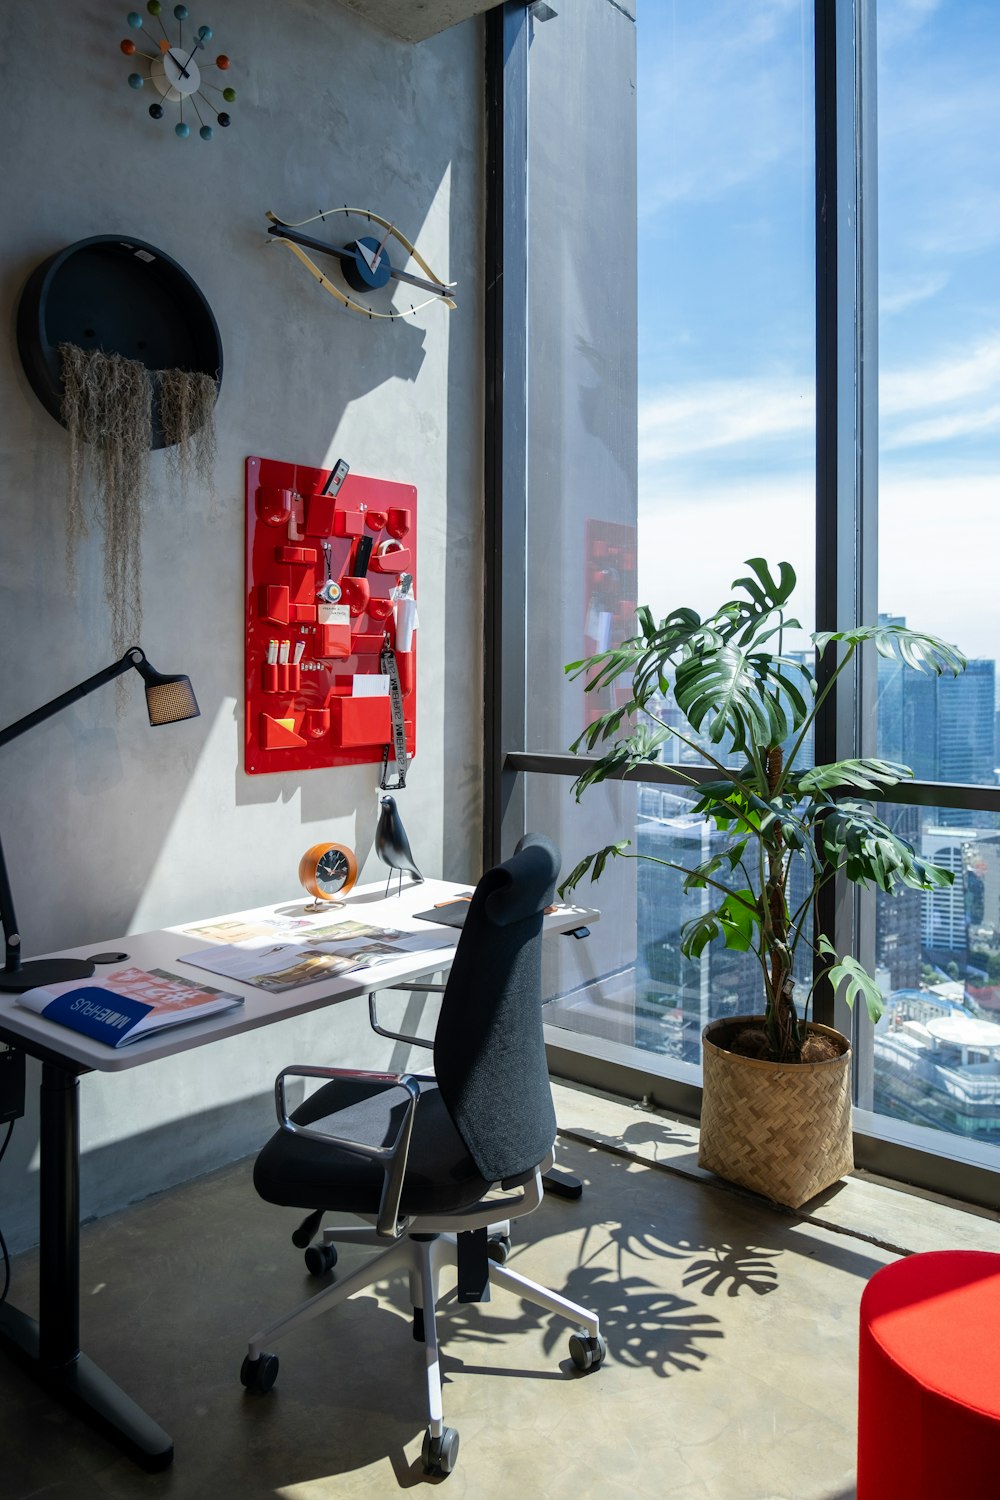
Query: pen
{"x": 300, "y": 647}
{"x": 272, "y": 653}
{"x": 283, "y": 653}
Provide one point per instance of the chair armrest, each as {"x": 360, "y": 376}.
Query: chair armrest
{"x": 400, "y": 1036}
{"x": 392, "y": 1159}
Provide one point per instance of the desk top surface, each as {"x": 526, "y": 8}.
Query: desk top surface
{"x": 163, "y": 950}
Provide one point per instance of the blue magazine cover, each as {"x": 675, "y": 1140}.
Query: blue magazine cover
{"x": 127, "y": 1004}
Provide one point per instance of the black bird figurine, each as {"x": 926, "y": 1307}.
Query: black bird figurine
{"x": 391, "y": 844}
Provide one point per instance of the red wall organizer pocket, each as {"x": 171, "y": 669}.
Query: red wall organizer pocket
{"x": 348, "y": 522}
{"x": 361, "y": 721}
{"x": 300, "y": 717}
{"x": 319, "y": 514}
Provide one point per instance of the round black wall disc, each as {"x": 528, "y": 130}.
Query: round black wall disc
{"x": 119, "y": 295}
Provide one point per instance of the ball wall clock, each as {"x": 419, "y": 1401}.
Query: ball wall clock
{"x": 173, "y": 69}
{"x": 365, "y": 266}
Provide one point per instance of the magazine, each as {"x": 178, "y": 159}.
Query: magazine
{"x": 128, "y": 1004}
{"x": 324, "y": 952}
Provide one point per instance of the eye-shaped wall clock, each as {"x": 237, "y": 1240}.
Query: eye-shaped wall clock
{"x": 174, "y": 71}
{"x": 363, "y": 276}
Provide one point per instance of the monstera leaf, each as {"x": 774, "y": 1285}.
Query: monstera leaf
{"x": 924, "y": 653}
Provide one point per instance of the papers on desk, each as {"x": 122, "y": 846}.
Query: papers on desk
{"x": 263, "y": 959}
{"x": 127, "y": 1005}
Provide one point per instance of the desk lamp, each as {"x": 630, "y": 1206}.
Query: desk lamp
{"x": 168, "y": 699}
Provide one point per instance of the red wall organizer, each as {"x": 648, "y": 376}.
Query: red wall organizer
{"x": 300, "y": 717}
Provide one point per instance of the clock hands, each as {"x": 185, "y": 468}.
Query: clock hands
{"x": 372, "y": 259}
{"x": 365, "y": 263}
{"x": 184, "y": 65}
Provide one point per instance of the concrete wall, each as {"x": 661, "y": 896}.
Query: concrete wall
{"x": 109, "y": 826}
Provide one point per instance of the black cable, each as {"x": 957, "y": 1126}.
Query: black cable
{"x": 3, "y": 1242}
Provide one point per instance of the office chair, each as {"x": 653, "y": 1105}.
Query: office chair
{"x": 437, "y": 1166}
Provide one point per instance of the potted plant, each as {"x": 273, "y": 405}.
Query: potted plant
{"x": 776, "y": 1101}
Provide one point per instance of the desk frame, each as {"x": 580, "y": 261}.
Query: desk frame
{"x": 49, "y": 1348}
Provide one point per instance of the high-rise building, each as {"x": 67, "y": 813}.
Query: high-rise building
{"x": 943, "y": 728}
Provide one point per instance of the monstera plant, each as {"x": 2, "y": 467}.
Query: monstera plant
{"x": 741, "y": 697}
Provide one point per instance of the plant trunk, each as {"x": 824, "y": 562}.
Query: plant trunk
{"x": 782, "y": 1021}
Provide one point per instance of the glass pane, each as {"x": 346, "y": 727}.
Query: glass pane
{"x": 629, "y": 982}
{"x": 671, "y": 323}
{"x": 581, "y": 418}
{"x": 939, "y": 377}
{"x": 726, "y": 296}
{"x": 937, "y": 1047}
{"x": 670, "y": 427}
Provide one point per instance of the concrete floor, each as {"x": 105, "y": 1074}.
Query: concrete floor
{"x": 732, "y": 1333}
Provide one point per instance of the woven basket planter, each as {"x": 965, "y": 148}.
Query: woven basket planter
{"x": 781, "y": 1129}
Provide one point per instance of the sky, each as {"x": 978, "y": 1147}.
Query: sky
{"x": 726, "y": 311}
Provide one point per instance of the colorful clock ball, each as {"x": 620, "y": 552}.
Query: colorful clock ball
{"x": 229, "y": 95}
{"x": 181, "y": 12}
{"x": 206, "y": 132}
{"x": 154, "y": 7}
{"x": 204, "y": 33}
{"x": 156, "y": 111}
{"x": 182, "y": 130}
{"x": 128, "y": 47}
{"x": 164, "y": 44}
{"x": 134, "y": 19}
{"x": 223, "y": 120}
{"x": 222, "y": 61}
{"x": 135, "y": 80}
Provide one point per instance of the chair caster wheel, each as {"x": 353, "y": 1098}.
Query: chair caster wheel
{"x": 259, "y": 1374}
{"x": 587, "y": 1352}
{"x": 498, "y": 1250}
{"x": 320, "y": 1259}
{"x": 440, "y": 1454}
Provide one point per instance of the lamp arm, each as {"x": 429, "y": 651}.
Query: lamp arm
{"x": 132, "y": 658}
{"x": 8, "y": 918}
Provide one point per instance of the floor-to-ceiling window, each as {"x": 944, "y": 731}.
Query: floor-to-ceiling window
{"x": 696, "y": 205}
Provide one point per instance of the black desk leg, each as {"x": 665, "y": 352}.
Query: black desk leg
{"x": 50, "y": 1348}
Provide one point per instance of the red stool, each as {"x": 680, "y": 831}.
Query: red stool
{"x": 929, "y": 1387}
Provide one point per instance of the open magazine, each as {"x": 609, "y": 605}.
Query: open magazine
{"x": 128, "y": 1004}
{"x": 276, "y": 958}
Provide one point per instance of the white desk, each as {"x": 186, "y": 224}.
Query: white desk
{"x": 50, "y": 1348}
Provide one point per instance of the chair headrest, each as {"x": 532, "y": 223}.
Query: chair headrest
{"x": 525, "y": 883}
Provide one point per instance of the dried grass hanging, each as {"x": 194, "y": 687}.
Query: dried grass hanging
{"x": 108, "y": 409}
{"x": 187, "y": 416}
{"x": 108, "y": 405}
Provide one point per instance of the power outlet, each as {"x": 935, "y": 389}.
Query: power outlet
{"x": 11, "y": 1083}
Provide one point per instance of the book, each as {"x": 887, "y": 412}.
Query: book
{"x": 128, "y": 1004}
{"x": 277, "y": 962}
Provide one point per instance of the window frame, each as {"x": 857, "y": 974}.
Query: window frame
{"x": 846, "y": 544}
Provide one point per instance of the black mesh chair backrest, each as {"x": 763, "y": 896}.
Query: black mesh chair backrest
{"x": 489, "y": 1053}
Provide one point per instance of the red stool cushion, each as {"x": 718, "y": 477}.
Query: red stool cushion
{"x": 929, "y": 1379}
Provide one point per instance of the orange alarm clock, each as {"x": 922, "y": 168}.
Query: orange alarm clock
{"x": 327, "y": 871}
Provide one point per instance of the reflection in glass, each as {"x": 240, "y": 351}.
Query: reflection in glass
{"x": 937, "y": 1047}
{"x": 629, "y": 981}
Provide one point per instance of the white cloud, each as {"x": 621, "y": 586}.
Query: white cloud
{"x": 708, "y": 415}
{"x": 694, "y": 537}
{"x": 933, "y": 566}
{"x": 901, "y": 291}
{"x": 947, "y": 379}
{"x": 943, "y": 429}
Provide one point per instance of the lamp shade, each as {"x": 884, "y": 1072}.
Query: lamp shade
{"x": 169, "y": 699}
